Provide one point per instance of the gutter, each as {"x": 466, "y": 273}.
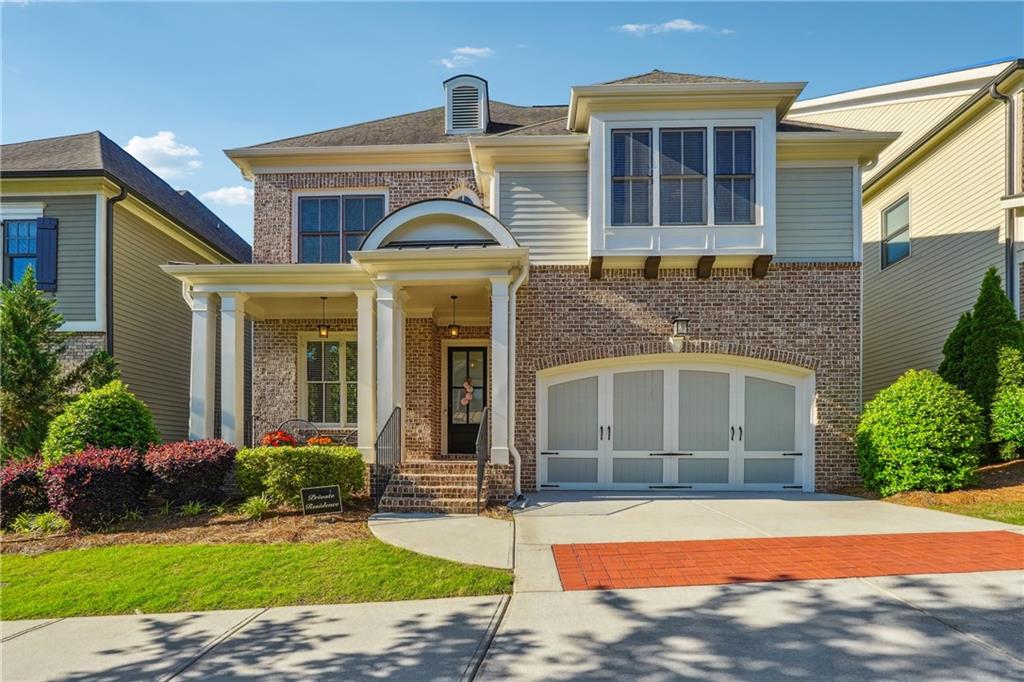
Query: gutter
{"x": 1011, "y": 241}
{"x": 517, "y": 460}
{"x": 109, "y": 265}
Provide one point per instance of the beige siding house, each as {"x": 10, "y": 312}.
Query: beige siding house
{"x": 91, "y": 193}
{"x": 942, "y": 205}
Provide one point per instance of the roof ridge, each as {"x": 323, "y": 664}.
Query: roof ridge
{"x": 528, "y": 127}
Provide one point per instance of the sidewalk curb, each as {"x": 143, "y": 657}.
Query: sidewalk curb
{"x": 213, "y": 644}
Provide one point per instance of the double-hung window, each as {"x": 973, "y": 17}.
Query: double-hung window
{"x": 19, "y": 248}
{"x": 631, "y": 177}
{"x": 896, "y": 232}
{"x": 331, "y": 382}
{"x": 332, "y": 227}
{"x": 683, "y": 173}
{"x": 734, "y": 176}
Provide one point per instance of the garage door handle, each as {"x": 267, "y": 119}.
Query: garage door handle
{"x": 732, "y": 433}
{"x": 792, "y": 454}
{"x": 670, "y": 454}
{"x": 550, "y": 453}
{"x": 741, "y": 433}
{"x": 602, "y": 433}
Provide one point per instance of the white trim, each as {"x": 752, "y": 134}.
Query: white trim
{"x": 443, "y": 388}
{"x": 100, "y": 307}
{"x": 480, "y": 86}
{"x": 858, "y": 216}
{"x": 463, "y": 191}
{"x": 962, "y": 82}
{"x": 803, "y": 380}
{"x": 1012, "y": 202}
{"x": 22, "y": 210}
{"x": 673, "y": 240}
{"x": 438, "y": 207}
{"x": 336, "y": 192}
{"x": 362, "y": 168}
{"x": 301, "y": 338}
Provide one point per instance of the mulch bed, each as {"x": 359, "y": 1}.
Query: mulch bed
{"x": 206, "y": 529}
{"x": 1002, "y": 482}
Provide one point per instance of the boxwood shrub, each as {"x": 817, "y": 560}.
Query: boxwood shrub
{"x": 107, "y": 417}
{"x": 97, "y": 486}
{"x": 281, "y": 472}
{"x": 21, "y": 490}
{"x": 920, "y": 433}
{"x": 190, "y": 471}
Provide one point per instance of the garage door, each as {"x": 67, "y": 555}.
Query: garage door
{"x": 673, "y": 425}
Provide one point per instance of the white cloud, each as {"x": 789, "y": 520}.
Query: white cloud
{"x": 463, "y": 56}
{"x": 164, "y": 155}
{"x": 238, "y": 195}
{"x": 672, "y": 26}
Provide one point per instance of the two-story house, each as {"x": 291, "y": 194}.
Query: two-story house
{"x": 96, "y": 225}
{"x": 656, "y": 286}
{"x": 943, "y": 204}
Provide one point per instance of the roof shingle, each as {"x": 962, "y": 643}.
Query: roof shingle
{"x": 94, "y": 154}
{"x": 659, "y": 77}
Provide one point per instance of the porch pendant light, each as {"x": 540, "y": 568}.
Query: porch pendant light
{"x": 323, "y": 329}
{"x": 453, "y": 329}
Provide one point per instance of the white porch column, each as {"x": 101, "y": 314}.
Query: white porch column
{"x": 499, "y": 369}
{"x": 390, "y": 341}
{"x": 203, "y": 378}
{"x": 367, "y": 386}
{"x": 232, "y": 368}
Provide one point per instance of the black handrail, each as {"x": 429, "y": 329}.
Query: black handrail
{"x": 483, "y": 440}
{"x": 388, "y": 453}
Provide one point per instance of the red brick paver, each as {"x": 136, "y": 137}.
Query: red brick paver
{"x": 714, "y": 562}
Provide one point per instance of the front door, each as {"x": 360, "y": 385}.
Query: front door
{"x": 467, "y": 396}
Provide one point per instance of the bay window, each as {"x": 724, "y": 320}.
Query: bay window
{"x": 734, "y": 176}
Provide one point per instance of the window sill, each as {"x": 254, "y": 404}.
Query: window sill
{"x": 684, "y": 240}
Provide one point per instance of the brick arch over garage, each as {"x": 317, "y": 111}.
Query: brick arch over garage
{"x": 692, "y": 346}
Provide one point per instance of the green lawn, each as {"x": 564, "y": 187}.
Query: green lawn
{"x": 1007, "y": 512}
{"x": 162, "y": 578}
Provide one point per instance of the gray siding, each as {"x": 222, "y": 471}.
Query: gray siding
{"x": 814, "y": 215}
{"x": 76, "y": 252}
{"x": 152, "y": 323}
{"x": 546, "y": 211}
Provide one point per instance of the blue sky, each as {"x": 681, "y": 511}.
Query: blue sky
{"x": 177, "y": 83}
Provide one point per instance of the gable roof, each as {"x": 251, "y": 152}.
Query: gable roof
{"x": 422, "y": 127}
{"x": 95, "y": 154}
{"x": 659, "y": 77}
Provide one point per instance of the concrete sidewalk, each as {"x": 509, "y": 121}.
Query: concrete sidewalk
{"x": 466, "y": 538}
{"x": 436, "y": 639}
{"x": 933, "y": 627}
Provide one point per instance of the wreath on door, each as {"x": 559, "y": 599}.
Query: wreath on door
{"x": 467, "y": 397}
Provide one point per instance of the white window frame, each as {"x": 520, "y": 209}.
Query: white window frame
{"x": 303, "y": 407}
{"x": 340, "y": 193}
{"x": 671, "y": 239}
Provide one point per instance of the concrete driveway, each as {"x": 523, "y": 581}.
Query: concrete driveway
{"x": 584, "y": 517}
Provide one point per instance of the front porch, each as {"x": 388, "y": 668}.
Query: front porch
{"x": 347, "y": 346}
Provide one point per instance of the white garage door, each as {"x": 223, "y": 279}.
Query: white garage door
{"x": 674, "y": 424}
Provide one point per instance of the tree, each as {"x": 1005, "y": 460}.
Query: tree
{"x": 32, "y": 390}
{"x": 953, "y": 353}
{"x": 994, "y": 325}
{"x": 1007, "y": 429}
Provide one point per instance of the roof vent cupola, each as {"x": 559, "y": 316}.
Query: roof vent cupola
{"x": 465, "y": 105}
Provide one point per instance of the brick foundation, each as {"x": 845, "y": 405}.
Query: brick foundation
{"x": 806, "y": 315}
{"x": 80, "y": 346}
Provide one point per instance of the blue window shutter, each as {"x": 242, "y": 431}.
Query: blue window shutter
{"x": 46, "y": 254}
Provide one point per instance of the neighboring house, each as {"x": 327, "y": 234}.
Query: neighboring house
{"x": 96, "y": 225}
{"x": 657, "y": 286}
{"x": 944, "y": 203}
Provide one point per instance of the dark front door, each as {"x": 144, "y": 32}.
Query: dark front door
{"x": 467, "y": 396}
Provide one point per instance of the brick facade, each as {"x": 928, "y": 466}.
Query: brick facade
{"x": 272, "y": 209}
{"x": 80, "y": 346}
{"x": 801, "y": 314}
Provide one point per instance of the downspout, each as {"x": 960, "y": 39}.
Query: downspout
{"x": 517, "y": 461}
{"x": 109, "y": 264}
{"x": 1011, "y": 239}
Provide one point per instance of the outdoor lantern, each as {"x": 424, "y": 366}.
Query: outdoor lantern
{"x": 323, "y": 329}
{"x": 680, "y": 327}
{"x": 453, "y": 329}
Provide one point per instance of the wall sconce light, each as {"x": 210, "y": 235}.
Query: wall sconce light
{"x": 323, "y": 329}
{"x": 453, "y": 330}
{"x": 680, "y": 327}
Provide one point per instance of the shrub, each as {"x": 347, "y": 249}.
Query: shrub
{"x": 994, "y": 325}
{"x": 190, "y": 509}
{"x": 191, "y": 471}
{"x": 1008, "y": 406}
{"x": 96, "y": 487}
{"x": 108, "y": 417}
{"x": 920, "y": 433}
{"x": 952, "y": 366}
{"x": 21, "y": 490}
{"x": 281, "y": 472}
{"x": 45, "y": 523}
{"x": 256, "y": 507}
